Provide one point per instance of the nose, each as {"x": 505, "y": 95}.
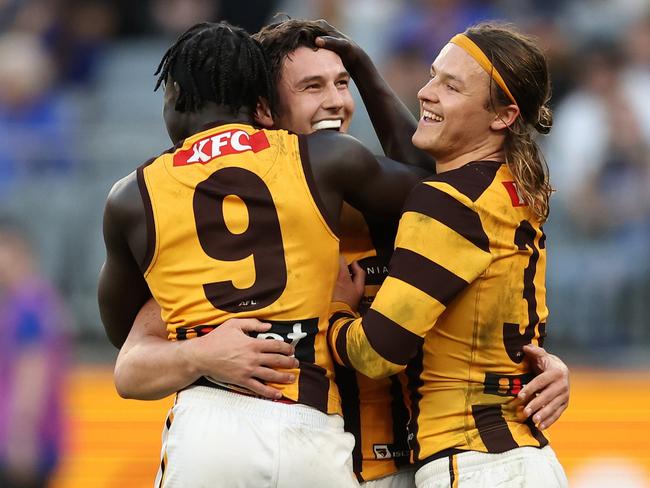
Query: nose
{"x": 333, "y": 98}
{"x": 428, "y": 92}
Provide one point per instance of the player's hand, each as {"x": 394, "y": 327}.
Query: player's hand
{"x": 547, "y": 395}
{"x": 348, "y": 50}
{"x": 229, "y": 355}
{"x": 349, "y": 287}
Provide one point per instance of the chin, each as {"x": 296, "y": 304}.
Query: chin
{"x": 421, "y": 141}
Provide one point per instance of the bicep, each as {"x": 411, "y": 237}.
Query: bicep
{"x": 122, "y": 289}
{"x": 379, "y": 185}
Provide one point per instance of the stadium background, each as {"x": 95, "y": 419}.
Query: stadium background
{"x": 77, "y": 112}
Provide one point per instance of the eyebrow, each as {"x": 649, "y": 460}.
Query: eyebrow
{"x": 448, "y": 76}
{"x": 308, "y": 79}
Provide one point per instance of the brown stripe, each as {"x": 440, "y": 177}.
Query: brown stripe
{"x": 444, "y": 208}
{"x": 493, "y": 428}
{"x": 472, "y": 179}
{"x": 346, "y": 380}
{"x": 452, "y": 474}
{"x": 148, "y": 211}
{"x": 426, "y": 275}
{"x": 415, "y": 382}
{"x": 311, "y": 182}
{"x": 313, "y": 386}
{"x": 162, "y": 471}
{"x": 341, "y": 339}
{"x": 391, "y": 341}
{"x": 537, "y": 434}
{"x": 400, "y": 418}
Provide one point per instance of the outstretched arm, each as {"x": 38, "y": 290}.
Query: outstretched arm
{"x": 394, "y": 124}
{"x": 420, "y": 285}
{"x": 150, "y": 367}
{"x": 122, "y": 289}
{"x": 345, "y": 169}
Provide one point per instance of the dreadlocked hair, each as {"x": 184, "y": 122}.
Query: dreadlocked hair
{"x": 220, "y": 63}
{"x": 525, "y": 71}
{"x": 280, "y": 39}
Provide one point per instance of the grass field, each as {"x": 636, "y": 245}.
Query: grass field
{"x": 603, "y": 440}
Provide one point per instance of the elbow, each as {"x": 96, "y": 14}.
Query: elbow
{"x": 122, "y": 385}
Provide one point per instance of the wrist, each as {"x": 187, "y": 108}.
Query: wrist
{"x": 190, "y": 362}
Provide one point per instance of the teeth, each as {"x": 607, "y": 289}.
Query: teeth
{"x": 430, "y": 115}
{"x": 327, "y": 124}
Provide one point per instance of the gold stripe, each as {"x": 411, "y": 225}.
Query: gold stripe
{"x": 473, "y": 50}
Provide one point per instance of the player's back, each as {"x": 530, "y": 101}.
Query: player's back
{"x": 235, "y": 230}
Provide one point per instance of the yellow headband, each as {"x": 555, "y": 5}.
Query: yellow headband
{"x": 474, "y": 51}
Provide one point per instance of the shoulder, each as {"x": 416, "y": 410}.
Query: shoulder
{"x": 331, "y": 146}
{"x": 467, "y": 182}
{"x": 123, "y": 197}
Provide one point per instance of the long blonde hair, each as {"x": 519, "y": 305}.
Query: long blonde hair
{"x": 524, "y": 69}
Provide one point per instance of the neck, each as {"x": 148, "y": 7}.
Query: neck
{"x": 487, "y": 152}
{"x": 211, "y": 113}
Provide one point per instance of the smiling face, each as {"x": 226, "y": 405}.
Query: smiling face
{"x": 455, "y": 122}
{"x": 313, "y": 92}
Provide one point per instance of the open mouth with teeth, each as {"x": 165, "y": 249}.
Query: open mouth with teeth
{"x": 431, "y": 117}
{"x": 327, "y": 124}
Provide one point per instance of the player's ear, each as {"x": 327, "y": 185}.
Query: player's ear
{"x": 505, "y": 117}
{"x": 263, "y": 115}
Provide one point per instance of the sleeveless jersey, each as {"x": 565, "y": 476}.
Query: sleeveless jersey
{"x": 465, "y": 291}
{"x": 374, "y": 410}
{"x": 234, "y": 230}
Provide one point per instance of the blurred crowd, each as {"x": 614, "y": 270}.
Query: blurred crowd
{"x": 77, "y": 112}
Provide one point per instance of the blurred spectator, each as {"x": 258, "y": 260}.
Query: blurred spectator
{"x": 35, "y": 122}
{"x": 599, "y": 158}
{"x": 75, "y": 33}
{"x": 418, "y": 32}
{"x": 32, "y": 350}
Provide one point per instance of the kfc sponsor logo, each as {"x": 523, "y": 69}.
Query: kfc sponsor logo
{"x": 515, "y": 195}
{"x": 222, "y": 144}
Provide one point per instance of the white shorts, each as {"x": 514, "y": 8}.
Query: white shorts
{"x": 217, "y": 438}
{"x": 403, "y": 479}
{"x": 524, "y": 467}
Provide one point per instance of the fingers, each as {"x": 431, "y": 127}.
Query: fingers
{"x": 278, "y": 361}
{"x": 358, "y": 276}
{"x": 547, "y": 414}
{"x": 273, "y": 346}
{"x": 534, "y": 352}
{"x": 269, "y": 375}
{"x": 263, "y": 390}
{"x": 247, "y": 325}
{"x": 335, "y": 44}
{"x": 537, "y": 384}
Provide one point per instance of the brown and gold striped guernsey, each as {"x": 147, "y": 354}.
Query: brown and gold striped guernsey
{"x": 374, "y": 410}
{"x": 465, "y": 291}
{"x": 235, "y": 231}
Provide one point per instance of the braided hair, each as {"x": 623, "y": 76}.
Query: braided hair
{"x": 216, "y": 62}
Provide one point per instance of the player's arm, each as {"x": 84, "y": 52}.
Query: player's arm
{"x": 150, "y": 367}
{"x": 122, "y": 289}
{"x": 394, "y": 124}
{"x": 343, "y": 168}
{"x": 440, "y": 249}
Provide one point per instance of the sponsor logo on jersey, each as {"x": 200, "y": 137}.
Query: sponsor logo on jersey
{"x": 221, "y": 144}
{"x": 515, "y": 195}
{"x": 389, "y": 451}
